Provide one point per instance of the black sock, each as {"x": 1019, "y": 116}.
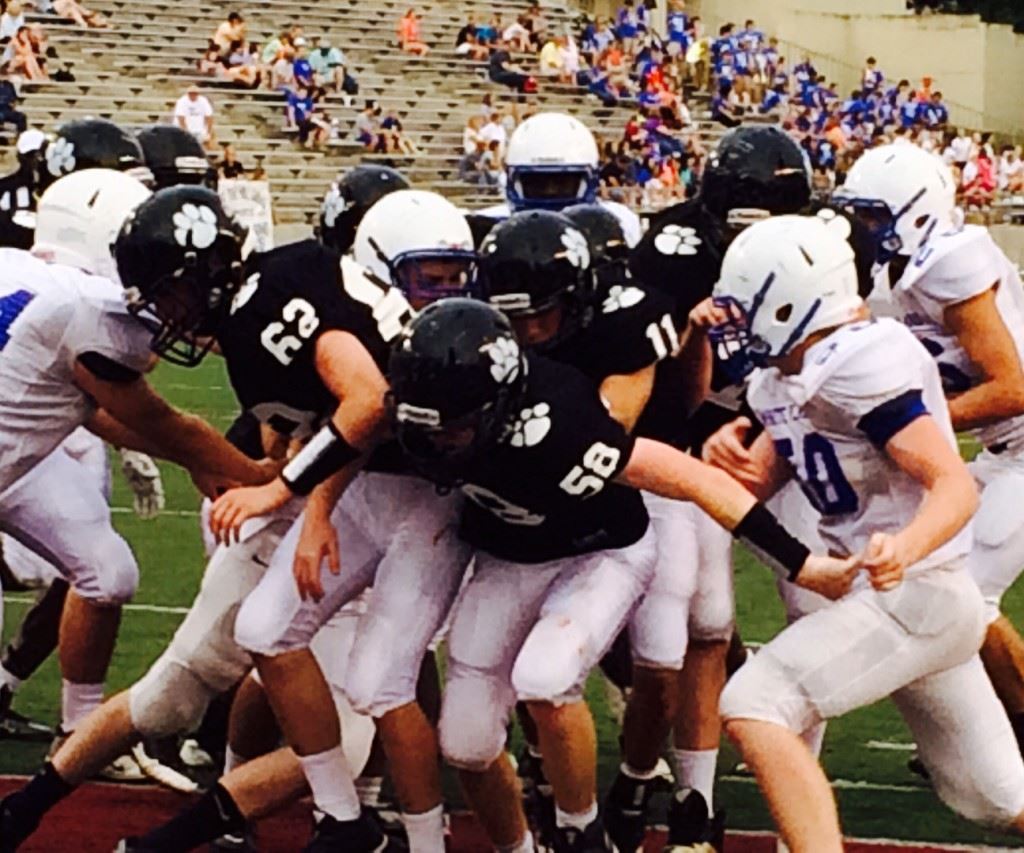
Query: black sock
{"x": 211, "y": 816}
{"x": 626, "y": 790}
{"x": 42, "y": 793}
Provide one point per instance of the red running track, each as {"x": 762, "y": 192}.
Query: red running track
{"x": 97, "y": 815}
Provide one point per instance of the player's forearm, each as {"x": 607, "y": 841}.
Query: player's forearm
{"x": 948, "y": 505}
{"x": 111, "y": 430}
{"x": 695, "y": 353}
{"x": 192, "y": 443}
{"x": 987, "y": 403}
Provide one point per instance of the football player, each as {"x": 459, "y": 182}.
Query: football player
{"x": 755, "y": 172}
{"x": 174, "y": 156}
{"x": 962, "y": 298}
{"x": 854, "y": 409}
{"x": 563, "y": 550}
{"x": 19, "y": 192}
{"x": 552, "y": 163}
{"x": 568, "y": 295}
{"x": 72, "y": 354}
{"x": 350, "y": 197}
{"x": 415, "y": 564}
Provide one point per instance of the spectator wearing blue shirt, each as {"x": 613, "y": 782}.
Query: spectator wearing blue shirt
{"x": 775, "y": 101}
{"x": 626, "y": 25}
{"x": 724, "y": 108}
{"x": 936, "y": 116}
{"x": 780, "y": 76}
{"x": 805, "y": 73}
{"x": 872, "y": 79}
{"x": 908, "y": 112}
{"x": 301, "y": 68}
{"x": 752, "y": 34}
{"x": 678, "y": 24}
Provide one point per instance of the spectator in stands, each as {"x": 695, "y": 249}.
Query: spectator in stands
{"x": 368, "y": 133}
{"x": 486, "y": 32}
{"x": 472, "y": 48}
{"x": 725, "y": 106}
{"x": 492, "y": 164}
{"x": 282, "y": 72}
{"x": 25, "y": 58}
{"x": 301, "y": 69}
{"x": 626, "y": 25}
{"x": 570, "y": 56}
{"x": 211, "y": 62}
{"x": 409, "y": 37}
{"x": 550, "y": 59}
{"x": 517, "y": 35}
{"x": 468, "y": 29}
{"x": 978, "y": 181}
{"x": 84, "y": 17}
{"x": 471, "y": 134}
{"x": 470, "y": 165}
{"x": 1010, "y": 169}
{"x": 229, "y": 33}
{"x": 494, "y": 131}
{"x": 9, "y": 114}
{"x": 12, "y": 20}
{"x": 501, "y": 69}
{"x": 273, "y": 48}
{"x": 395, "y": 139}
{"x": 303, "y": 113}
{"x": 194, "y": 113}
{"x": 329, "y": 64}
{"x": 230, "y": 167}
{"x": 872, "y": 79}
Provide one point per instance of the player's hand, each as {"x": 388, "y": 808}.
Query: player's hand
{"x": 211, "y": 486}
{"x": 317, "y": 541}
{"x": 829, "y": 576}
{"x": 232, "y": 509}
{"x": 885, "y": 561}
{"x": 144, "y": 480}
{"x": 726, "y": 449}
{"x": 707, "y": 314}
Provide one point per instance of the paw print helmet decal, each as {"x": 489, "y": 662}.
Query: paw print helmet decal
{"x": 349, "y": 198}
{"x": 677, "y": 240}
{"x": 180, "y": 259}
{"x": 536, "y": 266}
{"x": 92, "y": 143}
{"x": 609, "y": 251}
{"x": 457, "y": 377}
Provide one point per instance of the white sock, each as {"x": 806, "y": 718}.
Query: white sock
{"x": 814, "y": 737}
{"x": 524, "y": 846}
{"x": 9, "y": 680}
{"x": 639, "y": 775}
{"x": 331, "y": 783}
{"x": 232, "y": 760}
{"x": 77, "y": 701}
{"x": 696, "y": 769}
{"x": 425, "y": 830}
{"x": 368, "y": 789}
{"x": 576, "y": 821}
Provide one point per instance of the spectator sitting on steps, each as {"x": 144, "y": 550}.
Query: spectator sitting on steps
{"x": 230, "y": 166}
{"x": 8, "y": 101}
{"x": 12, "y": 20}
{"x": 229, "y": 32}
{"x": 501, "y": 69}
{"x": 24, "y": 56}
{"x": 328, "y": 64}
{"x": 75, "y": 11}
{"x": 282, "y": 72}
{"x": 472, "y": 48}
{"x": 409, "y": 37}
{"x": 242, "y": 65}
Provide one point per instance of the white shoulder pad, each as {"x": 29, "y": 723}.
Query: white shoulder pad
{"x": 956, "y": 267}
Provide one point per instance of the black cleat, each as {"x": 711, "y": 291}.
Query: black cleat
{"x": 690, "y": 828}
{"x": 14, "y": 828}
{"x": 593, "y": 839}
{"x": 361, "y": 835}
{"x": 916, "y": 766}
{"x": 625, "y": 812}
{"x": 236, "y": 842}
{"x": 389, "y": 819}
{"x": 15, "y": 726}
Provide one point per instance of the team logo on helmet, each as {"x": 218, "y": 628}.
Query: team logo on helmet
{"x": 60, "y": 157}
{"x": 620, "y": 297}
{"x": 195, "y": 225}
{"x": 677, "y": 240}
{"x": 531, "y": 426}
{"x": 334, "y": 205}
{"x": 504, "y": 352}
{"x": 577, "y": 252}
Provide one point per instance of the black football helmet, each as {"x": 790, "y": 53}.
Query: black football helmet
{"x": 609, "y": 251}
{"x": 533, "y": 263}
{"x": 348, "y": 199}
{"x": 457, "y": 377}
{"x": 756, "y": 167}
{"x": 174, "y": 156}
{"x": 93, "y": 143}
{"x": 180, "y": 259}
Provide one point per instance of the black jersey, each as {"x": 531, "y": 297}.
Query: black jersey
{"x": 632, "y": 327}
{"x": 545, "y": 492}
{"x": 292, "y": 296}
{"x": 17, "y": 209}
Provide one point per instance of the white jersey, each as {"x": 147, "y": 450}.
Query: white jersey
{"x": 630, "y": 222}
{"x": 50, "y": 315}
{"x": 858, "y": 387}
{"x": 950, "y": 269}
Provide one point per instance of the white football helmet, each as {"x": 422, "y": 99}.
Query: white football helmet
{"x": 904, "y": 194}
{"x": 420, "y": 242}
{"x": 79, "y": 217}
{"x": 551, "y": 163}
{"x": 783, "y": 279}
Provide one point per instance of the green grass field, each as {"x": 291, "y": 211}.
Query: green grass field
{"x": 878, "y": 796}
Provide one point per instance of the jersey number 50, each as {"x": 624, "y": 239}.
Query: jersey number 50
{"x": 822, "y": 480}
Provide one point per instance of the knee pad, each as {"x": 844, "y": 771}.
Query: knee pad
{"x": 659, "y": 631}
{"x": 474, "y": 714}
{"x": 553, "y": 662}
{"x": 261, "y": 629}
{"x": 168, "y": 700}
{"x": 998, "y": 808}
{"x": 116, "y": 575}
{"x": 711, "y": 620}
{"x": 761, "y": 690}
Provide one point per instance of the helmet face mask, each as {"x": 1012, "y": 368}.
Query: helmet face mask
{"x": 550, "y": 187}
{"x": 881, "y": 221}
{"x": 427, "y": 276}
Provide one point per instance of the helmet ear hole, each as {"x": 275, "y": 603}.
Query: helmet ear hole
{"x": 921, "y": 220}
{"x": 783, "y": 313}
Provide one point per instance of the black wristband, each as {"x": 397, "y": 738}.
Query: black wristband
{"x": 762, "y": 531}
{"x": 326, "y": 453}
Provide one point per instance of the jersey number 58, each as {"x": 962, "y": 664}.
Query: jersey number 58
{"x": 586, "y": 480}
